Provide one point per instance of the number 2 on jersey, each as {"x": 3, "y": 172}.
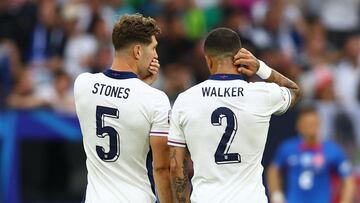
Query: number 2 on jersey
{"x": 102, "y": 131}
{"x": 222, "y": 155}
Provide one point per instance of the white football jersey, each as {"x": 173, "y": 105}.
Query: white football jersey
{"x": 224, "y": 122}
{"x": 117, "y": 113}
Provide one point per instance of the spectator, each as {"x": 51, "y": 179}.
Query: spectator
{"x": 47, "y": 44}
{"x": 48, "y": 38}
{"x": 10, "y": 63}
{"x": 308, "y": 161}
{"x": 60, "y": 96}
{"x": 23, "y": 94}
{"x": 329, "y": 11}
{"x": 280, "y": 26}
{"x": 17, "y": 20}
{"x": 196, "y": 61}
{"x": 347, "y": 81}
{"x": 80, "y": 47}
{"x": 178, "y": 78}
{"x": 173, "y": 43}
{"x": 194, "y": 21}
{"x": 104, "y": 55}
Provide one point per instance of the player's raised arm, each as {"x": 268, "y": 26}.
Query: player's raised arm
{"x": 249, "y": 65}
{"x": 179, "y": 157}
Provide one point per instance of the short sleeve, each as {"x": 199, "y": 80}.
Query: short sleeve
{"x": 280, "y": 157}
{"x": 280, "y": 99}
{"x": 341, "y": 163}
{"x": 176, "y": 134}
{"x": 160, "y": 122}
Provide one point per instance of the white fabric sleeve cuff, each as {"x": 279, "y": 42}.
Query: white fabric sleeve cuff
{"x": 159, "y": 133}
{"x": 176, "y": 143}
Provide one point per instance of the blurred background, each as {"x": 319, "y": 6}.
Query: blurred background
{"x": 45, "y": 44}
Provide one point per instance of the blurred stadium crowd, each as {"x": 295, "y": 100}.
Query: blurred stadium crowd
{"x": 45, "y": 44}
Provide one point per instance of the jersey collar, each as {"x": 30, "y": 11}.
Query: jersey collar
{"x": 119, "y": 74}
{"x": 304, "y": 147}
{"x": 226, "y": 77}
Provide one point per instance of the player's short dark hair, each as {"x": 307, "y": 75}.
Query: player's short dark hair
{"x": 307, "y": 109}
{"x": 222, "y": 42}
{"x": 133, "y": 29}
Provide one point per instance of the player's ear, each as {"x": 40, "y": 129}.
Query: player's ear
{"x": 208, "y": 61}
{"x": 137, "y": 51}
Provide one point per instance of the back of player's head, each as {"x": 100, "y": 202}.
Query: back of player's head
{"x": 222, "y": 42}
{"x": 134, "y": 28}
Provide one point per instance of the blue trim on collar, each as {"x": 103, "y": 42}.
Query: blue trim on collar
{"x": 119, "y": 74}
{"x": 226, "y": 77}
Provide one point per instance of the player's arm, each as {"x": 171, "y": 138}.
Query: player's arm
{"x": 348, "y": 189}
{"x": 275, "y": 184}
{"x": 249, "y": 65}
{"x": 179, "y": 158}
{"x": 344, "y": 170}
{"x": 160, "y": 153}
{"x": 283, "y": 81}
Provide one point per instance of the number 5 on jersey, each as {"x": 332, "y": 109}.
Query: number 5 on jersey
{"x": 102, "y": 131}
{"x": 222, "y": 155}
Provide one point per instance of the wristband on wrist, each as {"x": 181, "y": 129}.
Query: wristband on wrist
{"x": 264, "y": 71}
{"x": 277, "y": 196}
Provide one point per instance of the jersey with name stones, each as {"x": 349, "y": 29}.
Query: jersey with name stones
{"x": 117, "y": 113}
{"x": 224, "y": 122}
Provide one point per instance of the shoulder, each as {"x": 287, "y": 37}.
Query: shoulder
{"x": 82, "y": 78}
{"x": 264, "y": 86}
{"x": 156, "y": 94}
{"x": 263, "y": 89}
{"x": 189, "y": 95}
{"x": 290, "y": 143}
{"x": 193, "y": 90}
{"x": 151, "y": 96}
{"x": 87, "y": 77}
{"x": 332, "y": 146}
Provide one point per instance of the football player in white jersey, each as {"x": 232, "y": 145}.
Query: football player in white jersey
{"x": 121, "y": 117}
{"x": 222, "y": 125}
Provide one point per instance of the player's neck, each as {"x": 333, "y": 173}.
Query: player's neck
{"x": 224, "y": 67}
{"x": 313, "y": 141}
{"x": 124, "y": 64}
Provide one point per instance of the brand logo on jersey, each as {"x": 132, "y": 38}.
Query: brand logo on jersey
{"x": 169, "y": 116}
{"x": 283, "y": 94}
{"x": 318, "y": 160}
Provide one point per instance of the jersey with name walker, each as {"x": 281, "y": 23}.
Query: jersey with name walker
{"x": 223, "y": 122}
{"x": 117, "y": 113}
